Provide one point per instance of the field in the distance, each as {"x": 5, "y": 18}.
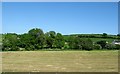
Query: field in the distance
{"x": 60, "y": 61}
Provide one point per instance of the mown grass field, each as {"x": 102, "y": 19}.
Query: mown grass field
{"x": 60, "y": 61}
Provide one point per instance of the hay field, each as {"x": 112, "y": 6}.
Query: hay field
{"x": 60, "y": 61}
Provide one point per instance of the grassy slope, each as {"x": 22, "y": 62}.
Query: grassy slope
{"x": 60, "y": 61}
{"x": 98, "y": 39}
{"x": 95, "y": 39}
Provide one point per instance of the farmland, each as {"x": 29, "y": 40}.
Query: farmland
{"x": 97, "y": 39}
{"x": 60, "y": 61}
{"x": 37, "y": 51}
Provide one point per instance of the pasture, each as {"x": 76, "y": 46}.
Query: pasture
{"x": 109, "y": 40}
{"x": 60, "y": 61}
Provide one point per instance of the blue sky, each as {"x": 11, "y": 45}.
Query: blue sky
{"x": 63, "y": 17}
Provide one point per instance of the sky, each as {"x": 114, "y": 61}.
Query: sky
{"x": 63, "y": 17}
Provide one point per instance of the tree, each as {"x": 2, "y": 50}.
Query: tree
{"x": 97, "y": 46}
{"x": 117, "y": 46}
{"x": 87, "y": 44}
{"x": 110, "y": 46}
{"x": 25, "y": 40}
{"x": 40, "y": 42}
{"x": 71, "y": 42}
{"x": 102, "y": 43}
{"x": 50, "y": 39}
{"x": 104, "y": 35}
{"x": 75, "y": 42}
{"x": 59, "y": 40}
{"x": 118, "y": 34}
{"x": 37, "y": 38}
{"x": 78, "y": 43}
{"x": 52, "y": 34}
{"x": 10, "y": 42}
{"x": 36, "y": 32}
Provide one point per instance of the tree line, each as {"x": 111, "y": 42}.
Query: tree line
{"x": 104, "y": 35}
{"x": 36, "y": 39}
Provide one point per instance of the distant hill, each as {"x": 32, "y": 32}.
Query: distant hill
{"x": 94, "y": 37}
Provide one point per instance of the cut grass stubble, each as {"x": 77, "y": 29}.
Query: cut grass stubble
{"x": 60, "y": 61}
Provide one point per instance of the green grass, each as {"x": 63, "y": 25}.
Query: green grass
{"x": 60, "y": 61}
{"x": 98, "y": 39}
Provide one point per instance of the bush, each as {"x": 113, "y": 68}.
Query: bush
{"x": 97, "y": 46}
{"x": 28, "y": 48}
{"x": 87, "y": 44}
{"x": 102, "y": 43}
{"x": 14, "y": 48}
{"x": 117, "y": 46}
{"x": 6, "y": 49}
{"x": 80, "y": 47}
{"x": 66, "y": 46}
{"x": 87, "y": 47}
{"x": 104, "y": 35}
{"x": 110, "y": 46}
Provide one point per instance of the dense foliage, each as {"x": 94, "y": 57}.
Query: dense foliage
{"x": 36, "y": 39}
